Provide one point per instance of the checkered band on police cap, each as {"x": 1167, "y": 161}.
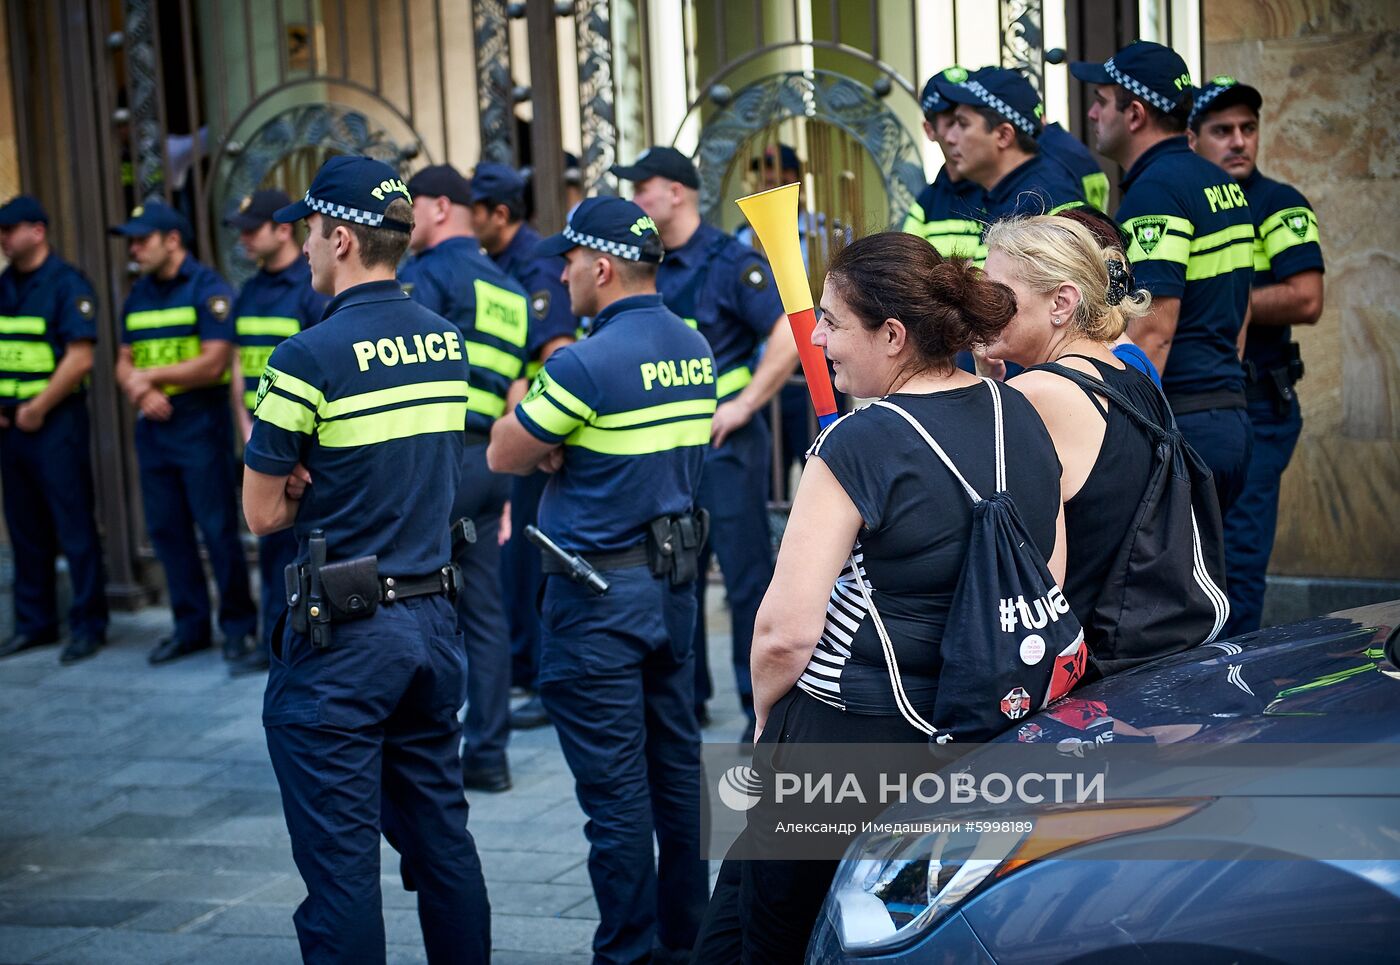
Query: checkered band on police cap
{"x": 345, "y": 213}
{"x": 1163, "y": 104}
{"x": 627, "y": 252}
{"x": 1018, "y": 119}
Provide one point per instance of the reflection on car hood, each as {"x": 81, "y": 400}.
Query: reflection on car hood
{"x": 1321, "y": 680}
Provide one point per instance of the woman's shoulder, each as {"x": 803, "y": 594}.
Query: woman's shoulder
{"x": 848, "y": 429}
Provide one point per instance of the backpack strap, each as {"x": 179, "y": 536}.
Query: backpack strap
{"x": 1115, "y": 396}
{"x": 943, "y": 456}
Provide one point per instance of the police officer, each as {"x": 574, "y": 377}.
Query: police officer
{"x": 47, "y": 330}
{"x": 994, "y": 142}
{"x": 622, "y": 418}
{"x": 1066, "y": 150}
{"x": 948, "y": 212}
{"x": 357, "y": 443}
{"x": 726, "y": 290}
{"x": 177, "y": 335}
{"x": 273, "y": 305}
{"x": 497, "y": 213}
{"x": 1192, "y": 247}
{"x": 450, "y": 276}
{"x": 1224, "y": 128}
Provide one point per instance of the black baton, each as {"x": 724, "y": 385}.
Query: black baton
{"x": 576, "y": 567}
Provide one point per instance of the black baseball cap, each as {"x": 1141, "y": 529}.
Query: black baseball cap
{"x": 495, "y": 183}
{"x": 22, "y": 208}
{"x": 1150, "y": 71}
{"x": 784, "y": 155}
{"x": 352, "y": 188}
{"x": 573, "y": 170}
{"x": 1223, "y": 91}
{"x": 151, "y": 217}
{"x": 257, "y": 209}
{"x": 1005, "y": 91}
{"x": 660, "y": 162}
{"x": 441, "y": 181}
{"x": 610, "y": 225}
{"x": 934, "y": 100}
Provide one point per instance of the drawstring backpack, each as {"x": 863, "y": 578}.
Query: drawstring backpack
{"x": 1011, "y": 645}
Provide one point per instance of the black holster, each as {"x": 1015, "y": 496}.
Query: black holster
{"x": 320, "y": 594}
{"x": 674, "y": 544}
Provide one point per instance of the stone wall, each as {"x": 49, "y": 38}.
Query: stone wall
{"x": 1329, "y": 71}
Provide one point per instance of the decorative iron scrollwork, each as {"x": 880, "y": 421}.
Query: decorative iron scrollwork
{"x": 593, "y": 27}
{"x": 143, "y": 71}
{"x": 493, "y": 81}
{"x": 1023, "y": 40}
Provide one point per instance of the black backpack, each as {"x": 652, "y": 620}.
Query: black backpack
{"x": 1165, "y": 591}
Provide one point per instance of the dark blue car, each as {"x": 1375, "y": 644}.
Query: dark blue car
{"x": 1087, "y": 897}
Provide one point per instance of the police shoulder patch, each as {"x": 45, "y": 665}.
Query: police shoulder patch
{"x": 85, "y": 305}
{"x": 218, "y": 306}
{"x": 269, "y": 377}
{"x": 1148, "y": 232}
{"x": 536, "y": 389}
{"x": 754, "y": 276}
{"x": 1297, "y": 220}
{"x": 539, "y": 303}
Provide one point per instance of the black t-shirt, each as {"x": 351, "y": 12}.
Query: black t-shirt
{"x": 917, "y": 523}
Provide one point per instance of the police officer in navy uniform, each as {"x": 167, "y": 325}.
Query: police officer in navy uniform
{"x": 497, "y": 212}
{"x": 358, "y": 444}
{"x": 450, "y": 276}
{"x": 1066, "y": 150}
{"x": 948, "y": 212}
{"x": 273, "y": 305}
{"x": 622, "y": 419}
{"x": 1192, "y": 247}
{"x": 177, "y": 345}
{"x": 726, "y": 290}
{"x": 1224, "y": 128}
{"x": 47, "y": 331}
{"x": 994, "y": 141}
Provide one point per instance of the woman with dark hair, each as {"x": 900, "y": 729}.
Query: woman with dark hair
{"x": 878, "y": 516}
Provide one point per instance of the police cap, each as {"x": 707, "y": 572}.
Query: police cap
{"x": 257, "y": 209}
{"x": 441, "y": 181}
{"x": 351, "y": 188}
{"x": 1223, "y": 91}
{"x": 660, "y": 162}
{"x": 494, "y": 183}
{"x": 1006, "y": 92}
{"x": 610, "y": 225}
{"x": 151, "y": 217}
{"x": 933, "y": 100}
{"x": 20, "y": 208}
{"x": 1149, "y": 71}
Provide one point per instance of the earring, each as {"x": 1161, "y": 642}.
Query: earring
{"x": 1056, "y": 321}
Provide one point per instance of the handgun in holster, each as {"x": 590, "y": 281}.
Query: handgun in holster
{"x": 674, "y": 544}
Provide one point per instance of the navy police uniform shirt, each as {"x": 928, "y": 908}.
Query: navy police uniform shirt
{"x": 373, "y": 402}
{"x": 272, "y": 306}
{"x": 1285, "y": 243}
{"x": 550, "y": 315}
{"x": 164, "y": 322}
{"x": 948, "y": 215}
{"x": 455, "y": 280}
{"x": 41, "y": 312}
{"x": 1062, "y": 147}
{"x": 1038, "y": 186}
{"x": 632, "y": 405}
{"x": 725, "y": 290}
{"x": 1192, "y": 237}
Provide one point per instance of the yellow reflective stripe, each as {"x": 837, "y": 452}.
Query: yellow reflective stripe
{"x": 1261, "y": 257}
{"x": 691, "y": 322}
{"x": 1282, "y": 217}
{"x": 417, "y": 420}
{"x": 532, "y": 369}
{"x": 283, "y": 412}
{"x": 501, "y": 313}
{"x": 22, "y": 325}
{"x": 1067, "y": 206}
{"x": 250, "y": 399}
{"x": 22, "y": 388}
{"x": 548, "y": 416}
{"x": 567, "y": 401}
{"x": 268, "y": 325}
{"x": 641, "y": 442}
{"x": 1096, "y": 189}
{"x": 483, "y": 356}
{"x": 294, "y": 386}
{"x": 959, "y": 246}
{"x": 152, "y": 352}
{"x": 26, "y": 356}
{"x": 160, "y": 318}
{"x": 1238, "y": 232}
{"x": 733, "y": 380}
{"x": 486, "y": 403}
{"x": 655, "y": 413}
{"x": 1221, "y": 262}
{"x": 1173, "y": 248}
{"x": 253, "y": 359}
{"x": 417, "y": 391}
{"x": 1278, "y": 233}
{"x": 914, "y": 220}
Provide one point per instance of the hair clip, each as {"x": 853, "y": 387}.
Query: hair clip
{"x": 1120, "y": 279}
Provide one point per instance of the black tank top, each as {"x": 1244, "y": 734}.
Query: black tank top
{"x": 1098, "y": 517}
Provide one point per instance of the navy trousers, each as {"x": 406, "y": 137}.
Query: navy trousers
{"x": 521, "y": 579}
{"x": 275, "y": 553}
{"x": 46, "y": 477}
{"x": 1251, "y": 521}
{"x": 734, "y": 488}
{"x": 616, "y": 676}
{"x": 480, "y": 615}
{"x": 1221, "y": 437}
{"x": 363, "y": 739}
{"x": 187, "y": 483}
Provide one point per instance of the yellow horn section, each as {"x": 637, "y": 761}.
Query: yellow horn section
{"x": 773, "y": 215}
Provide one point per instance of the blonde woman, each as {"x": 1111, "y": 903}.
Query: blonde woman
{"x": 1072, "y": 304}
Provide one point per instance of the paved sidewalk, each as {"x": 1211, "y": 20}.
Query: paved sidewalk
{"x": 140, "y": 820}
